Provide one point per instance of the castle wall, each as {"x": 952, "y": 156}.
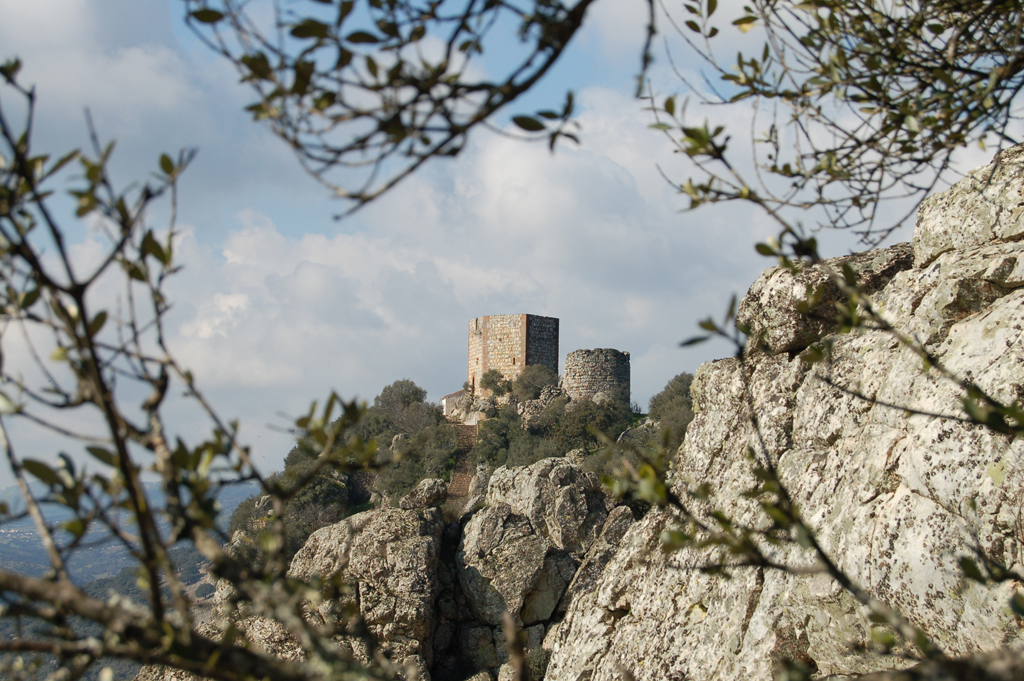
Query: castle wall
{"x": 508, "y": 343}
{"x": 542, "y": 341}
{"x": 588, "y": 372}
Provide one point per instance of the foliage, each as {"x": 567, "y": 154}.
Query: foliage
{"x": 531, "y": 380}
{"x": 399, "y": 409}
{"x": 430, "y": 453}
{"x": 110, "y": 370}
{"x": 321, "y": 500}
{"x": 866, "y": 101}
{"x": 577, "y": 426}
{"x": 869, "y": 101}
{"x": 496, "y": 382}
{"x": 377, "y": 89}
{"x": 502, "y": 441}
{"x": 673, "y": 409}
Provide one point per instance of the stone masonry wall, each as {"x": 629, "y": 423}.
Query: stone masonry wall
{"x": 588, "y": 372}
{"x": 542, "y": 341}
{"x": 508, "y": 343}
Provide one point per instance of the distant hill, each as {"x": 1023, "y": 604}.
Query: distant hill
{"x": 22, "y": 551}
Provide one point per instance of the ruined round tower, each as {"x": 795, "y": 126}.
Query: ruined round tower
{"x": 588, "y": 372}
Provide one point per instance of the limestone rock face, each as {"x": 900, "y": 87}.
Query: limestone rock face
{"x": 562, "y": 502}
{"x": 771, "y": 311}
{"x": 984, "y": 207}
{"x": 392, "y": 556}
{"x": 428, "y": 493}
{"x": 521, "y": 550}
{"x": 895, "y": 497}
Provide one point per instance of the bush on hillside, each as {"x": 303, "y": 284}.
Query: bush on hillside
{"x": 672, "y": 408}
{"x": 400, "y": 409}
{"x": 531, "y": 381}
{"x": 502, "y": 441}
{"x": 494, "y": 381}
{"x": 429, "y": 453}
{"x": 574, "y": 428}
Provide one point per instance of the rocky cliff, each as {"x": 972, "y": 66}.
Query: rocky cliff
{"x": 895, "y": 486}
{"x": 896, "y": 497}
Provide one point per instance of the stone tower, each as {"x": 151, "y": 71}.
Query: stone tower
{"x": 588, "y": 372}
{"x": 510, "y": 342}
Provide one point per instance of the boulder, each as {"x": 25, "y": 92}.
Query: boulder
{"x": 429, "y": 493}
{"x": 391, "y": 556}
{"x": 562, "y": 502}
{"x": 520, "y": 551}
{"x": 774, "y": 306}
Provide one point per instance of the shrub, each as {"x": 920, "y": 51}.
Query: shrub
{"x": 494, "y": 381}
{"x": 427, "y": 454}
{"x": 205, "y": 590}
{"x": 529, "y": 383}
{"x": 574, "y": 429}
{"x": 673, "y": 409}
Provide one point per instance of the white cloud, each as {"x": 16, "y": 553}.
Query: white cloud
{"x": 277, "y": 304}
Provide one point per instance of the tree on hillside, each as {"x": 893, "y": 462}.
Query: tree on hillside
{"x": 672, "y": 408}
{"x": 425, "y": 445}
{"x": 531, "y": 381}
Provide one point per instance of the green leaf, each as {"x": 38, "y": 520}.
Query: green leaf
{"x": 345, "y": 10}
{"x": 207, "y": 16}
{"x": 712, "y": 6}
{"x": 310, "y": 28}
{"x": 303, "y": 76}
{"x": 803, "y": 536}
{"x": 97, "y": 323}
{"x": 362, "y": 37}
{"x": 528, "y": 123}
{"x": 693, "y": 341}
{"x": 670, "y": 106}
{"x": 765, "y": 249}
{"x": 150, "y": 246}
{"x": 1017, "y": 604}
{"x": 166, "y": 164}
{"x": 883, "y": 637}
{"x": 745, "y": 23}
{"x": 103, "y": 455}
{"x": 971, "y": 570}
{"x": 27, "y": 298}
{"x": 7, "y": 405}
{"x": 41, "y": 471}
{"x": 9, "y": 69}
{"x": 75, "y": 526}
{"x": 693, "y": 26}
{"x": 258, "y": 65}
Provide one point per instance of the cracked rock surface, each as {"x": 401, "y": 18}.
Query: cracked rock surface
{"x": 895, "y": 497}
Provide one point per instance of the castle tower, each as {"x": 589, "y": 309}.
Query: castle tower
{"x": 588, "y": 372}
{"x": 510, "y": 342}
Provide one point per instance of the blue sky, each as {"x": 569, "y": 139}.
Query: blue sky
{"x": 279, "y": 303}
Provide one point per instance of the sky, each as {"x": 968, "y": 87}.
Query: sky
{"x": 279, "y": 303}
